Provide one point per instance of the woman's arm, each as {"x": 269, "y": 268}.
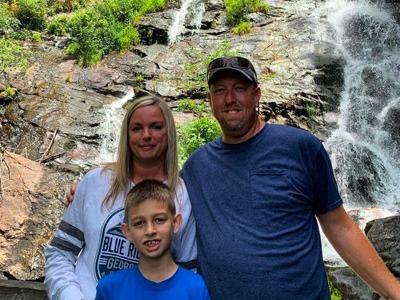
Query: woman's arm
{"x": 62, "y": 252}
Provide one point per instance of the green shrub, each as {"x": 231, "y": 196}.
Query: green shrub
{"x": 335, "y": 293}
{"x": 125, "y": 36}
{"x": 9, "y": 93}
{"x": 36, "y": 37}
{"x": 192, "y": 106}
{"x": 237, "y": 10}
{"x": 149, "y": 6}
{"x": 67, "y": 6}
{"x": 186, "y": 104}
{"x": 12, "y": 55}
{"x": 7, "y": 22}
{"x": 58, "y": 25}
{"x": 19, "y": 35}
{"x": 196, "y": 133}
{"x": 261, "y": 6}
{"x": 311, "y": 109}
{"x": 242, "y": 28}
{"x": 139, "y": 80}
{"x": 118, "y": 10}
{"x": 104, "y": 27}
{"x": 32, "y": 13}
{"x": 85, "y": 27}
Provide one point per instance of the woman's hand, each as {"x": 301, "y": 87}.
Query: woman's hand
{"x": 70, "y": 194}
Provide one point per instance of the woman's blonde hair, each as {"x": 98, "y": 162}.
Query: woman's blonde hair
{"x": 123, "y": 168}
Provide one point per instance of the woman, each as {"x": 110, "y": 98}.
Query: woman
{"x": 89, "y": 243}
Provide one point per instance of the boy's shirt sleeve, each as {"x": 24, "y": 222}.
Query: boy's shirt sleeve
{"x": 99, "y": 292}
{"x": 62, "y": 252}
{"x": 206, "y": 295}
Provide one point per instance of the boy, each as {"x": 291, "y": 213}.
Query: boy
{"x": 151, "y": 222}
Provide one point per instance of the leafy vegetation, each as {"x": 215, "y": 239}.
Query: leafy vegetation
{"x": 335, "y": 293}
{"x": 9, "y": 93}
{"x": 195, "y": 69}
{"x": 58, "y": 25}
{"x": 196, "y": 133}
{"x": 193, "y": 106}
{"x": 104, "y": 27}
{"x": 139, "y": 80}
{"x": 36, "y": 37}
{"x": 242, "y": 28}
{"x": 12, "y": 55}
{"x": 94, "y": 35}
{"x": 31, "y": 13}
{"x": 311, "y": 109}
{"x": 8, "y": 23}
{"x": 95, "y": 27}
{"x": 237, "y": 11}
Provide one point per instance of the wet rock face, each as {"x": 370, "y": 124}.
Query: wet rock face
{"x": 384, "y": 234}
{"x": 64, "y": 98}
{"x": 30, "y": 206}
{"x": 329, "y": 76}
{"x": 153, "y": 28}
{"x": 392, "y": 126}
{"x": 361, "y": 174}
{"x": 350, "y": 285}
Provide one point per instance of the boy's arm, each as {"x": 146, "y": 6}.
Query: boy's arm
{"x": 353, "y": 246}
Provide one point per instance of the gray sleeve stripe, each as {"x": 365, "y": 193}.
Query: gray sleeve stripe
{"x": 65, "y": 245}
{"x": 71, "y": 230}
{"x": 191, "y": 264}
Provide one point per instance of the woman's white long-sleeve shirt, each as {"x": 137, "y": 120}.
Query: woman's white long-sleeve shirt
{"x": 89, "y": 242}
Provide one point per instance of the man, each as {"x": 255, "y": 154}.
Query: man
{"x": 257, "y": 193}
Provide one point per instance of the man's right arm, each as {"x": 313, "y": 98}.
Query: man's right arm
{"x": 354, "y": 247}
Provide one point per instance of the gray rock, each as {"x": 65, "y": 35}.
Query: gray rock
{"x": 350, "y": 285}
{"x": 384, "y": 234}
{"x": 153, "y": 28}
{"x": 30, "y": 205}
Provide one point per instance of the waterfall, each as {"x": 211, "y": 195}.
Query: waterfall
{"x": 365, "y": 148}
{"x": 198, "y": 15}
{"x": 191, "y": 11}
{"x": 111, "y": 127}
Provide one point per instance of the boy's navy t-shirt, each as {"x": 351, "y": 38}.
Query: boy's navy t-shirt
{"x": 255, "y": 205}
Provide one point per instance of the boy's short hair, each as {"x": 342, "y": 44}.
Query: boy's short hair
{"x": 149, "y": 189}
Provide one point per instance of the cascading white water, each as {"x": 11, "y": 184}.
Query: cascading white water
{"x": 190, "y": 9}
{"x": 198, "y": 15}
{"x": 111, "y": 127}
{"x": 365, "y": 148}
{"x": 109, "y": 130}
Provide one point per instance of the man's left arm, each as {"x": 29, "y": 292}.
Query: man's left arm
{"x": 356, "y": 250}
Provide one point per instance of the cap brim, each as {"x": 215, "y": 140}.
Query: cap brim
{"x": 215, "y": 73}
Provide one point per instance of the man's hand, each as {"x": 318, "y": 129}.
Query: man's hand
{"x": 70, "y": 194}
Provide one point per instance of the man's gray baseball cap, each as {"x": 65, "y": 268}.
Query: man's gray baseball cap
{"x": 237, "y": 64}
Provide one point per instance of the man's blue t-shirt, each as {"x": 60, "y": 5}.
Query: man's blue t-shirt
{"x": 130, "y": 284}
{"x": 255, "y": 205}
